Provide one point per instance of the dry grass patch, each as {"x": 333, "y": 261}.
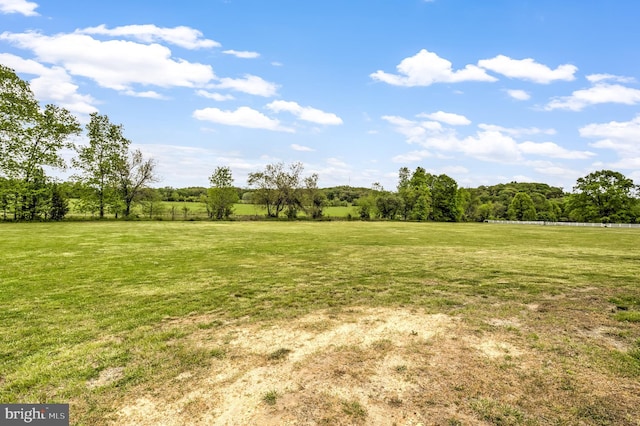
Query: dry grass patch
{"x": 386, "y": 366}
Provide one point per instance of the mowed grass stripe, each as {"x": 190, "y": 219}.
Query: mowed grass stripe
{"x": 77, "y": 298}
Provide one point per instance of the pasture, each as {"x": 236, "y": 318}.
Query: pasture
{"x": 321, "y": 322}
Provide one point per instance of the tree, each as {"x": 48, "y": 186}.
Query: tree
{"x": 522, "y": 207}
{"x": 101, "y": 162}
{"x": 444, "y": 201}
{"x": 415, "y": 194}
{"x": 603, "y": 196}
{"x": 313, "y": 199}
{"x": 134, "y": 174}
{"x": 388, "y": 205}
{"x": 222, "y": 195}
{"x": 59, "y": 203}
{"x": 277, "y": 188}
{"x": 31, "y": 139}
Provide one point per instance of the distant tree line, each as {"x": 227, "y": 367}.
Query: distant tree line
{"x": 111, "y": 178}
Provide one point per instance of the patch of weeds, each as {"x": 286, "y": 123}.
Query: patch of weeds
{"x": 395, "y": 401}
{"x": 270, "y": 397}
{"x": 454, "y": 422}
{"x": 627, "y": 316}
{"x": 208, "y": 325}
{"x": 597, "y": 413}
{"x": 400, "y": 368}
{"x": 279, "y": 354}
{"x": 382, "y": 345}
{"x": 217, "y": 353}
{"x": 354, "y": 409}
{"x": 498, "y": 413}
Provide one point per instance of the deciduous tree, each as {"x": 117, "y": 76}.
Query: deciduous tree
{"x": 31, "y": 139}
{"x": 222, "y": 195}
{"x": 604, "y": 196}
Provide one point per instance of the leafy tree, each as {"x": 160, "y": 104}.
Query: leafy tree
{"x": 444, "y": 205}
{"x": 604, "y": 196}
{"x": 413, "y": 190}
{"x": 59, "y": 203}
{"x": 133, "y": 174}
{"x": 31, "y": 139}
{"x": 522, "y": 207}
{"x": 278, "y": 188}
{"x": 388, "y": 205}
{"x": 313, "y": 199}
{"x": 222, "y": 195}
{"x": 100, "y": 161}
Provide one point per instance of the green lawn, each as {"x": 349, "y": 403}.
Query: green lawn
{"x": 79, "y": 298}
{"x": 177, "y": 210}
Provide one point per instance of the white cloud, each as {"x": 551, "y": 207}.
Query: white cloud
{"x": 528, "y": 69}
{"x": 301, "y": 148}
{"x": 600, "y": 93}
{"x": 517, "y": 131}
{"x": 448, "y": 118}
{"x": 550, "y": 149}
{"x": 215, "y": 96}
{"x": 596, "y": 78}
{"x": 520, "y": 95}
{"x": 242, "y": 117}
{"x": 51, "y": 84}
{"x": 182, "y": 36}
{"x": 305, "y": 113}
{"x": 490, "y": 143}
{"x": 114, "y": 64}
{"x": 426, "y": 68}
{"x": 242, "y": 54}
{"x": 24, "y": 7}
{"x": 491, "y": 146}
{"x": 149, "y": 94}
{"x": 621, "y": 137}
{"x": 250, "y": 84}
{"x": 412, "y": 157}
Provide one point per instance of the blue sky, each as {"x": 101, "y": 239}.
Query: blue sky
{"x": 485, "y": 91}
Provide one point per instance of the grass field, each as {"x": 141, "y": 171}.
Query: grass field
{"x": 321, "y": 323}
{"x": 177, "y": 210}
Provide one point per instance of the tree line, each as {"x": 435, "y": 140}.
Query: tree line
{"x": 111, "y": 177}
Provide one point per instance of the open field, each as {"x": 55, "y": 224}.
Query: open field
{"x": 178, "y": 210}
{"x": 240, "y": 323}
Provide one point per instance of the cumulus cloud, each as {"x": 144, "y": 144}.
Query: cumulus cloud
{"x": 595, "y": 78}
{"x": 517, "y": 131}
{"x": 426, "y": 68}
{"x": 215, "y": 96}
{"x": 24, "y": 7}
{"x": 114, "y": 64}
{"x": 489, "y": 143}
{"x": 301, "y": 148}
{"x": 619, "y": 136}
{"x": 412, "y": 157}
{"x": 242, "y": 117}
{"x": 600, "y": 93}
{"x": 182, "y": 36}
{"x": 305, "y": 113}
{"x": 553, "y": 150}
{"x": 528, "y": 69}
{"x": 250, "y": 84}
{"x": 520, "y": 95}
{"x": 51, "y": 84}
{"x": 448, "y": 118}
{"x": 242, "y": 54}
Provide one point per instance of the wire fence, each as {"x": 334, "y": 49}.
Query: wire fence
{"x": 546, "y": 223}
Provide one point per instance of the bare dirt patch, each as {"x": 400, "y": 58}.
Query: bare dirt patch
{"x": 379, "y": 366}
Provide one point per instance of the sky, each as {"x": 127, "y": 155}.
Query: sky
{"x": 486, "y": 92}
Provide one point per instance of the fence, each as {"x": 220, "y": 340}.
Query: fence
{"x": 545, "y": 223}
